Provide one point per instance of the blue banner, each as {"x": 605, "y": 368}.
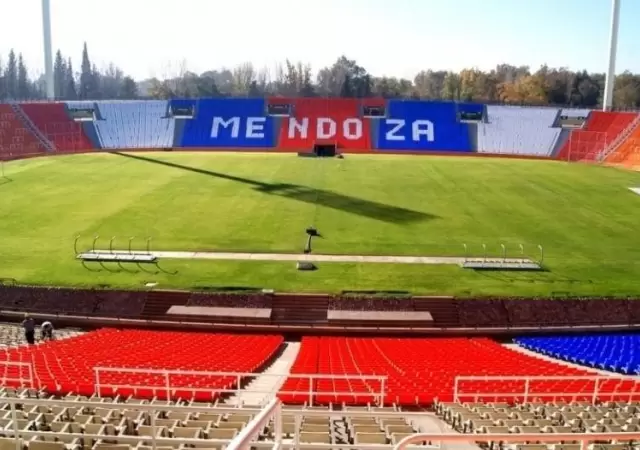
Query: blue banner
{"x": 229, "y": 123}
{"x": 420, "y": 125}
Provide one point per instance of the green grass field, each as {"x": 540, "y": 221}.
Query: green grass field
{"x": 585, "y": 217}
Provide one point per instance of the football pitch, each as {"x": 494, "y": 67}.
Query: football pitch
{"x": 585, "y": 217}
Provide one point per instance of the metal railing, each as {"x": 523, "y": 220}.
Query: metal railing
{"x": 583, "y": 438}
{"x": 166, "y": 387}
{"x": 528, "y": 391}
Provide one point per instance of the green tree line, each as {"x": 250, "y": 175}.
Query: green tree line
{"x": 508, "y": 84}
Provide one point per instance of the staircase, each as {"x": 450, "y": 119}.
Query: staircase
{"x": 46, "y": 143}
{"x": 266, "y": 385}
{"x": 299, "y": 309}
{"x": 619, "y": 140}
{"x": 444, "y": 310}
{"x": 159, "y": 302}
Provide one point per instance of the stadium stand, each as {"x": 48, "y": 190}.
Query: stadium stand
{"x": 420, "y": 126}
{"x": 68, "y": 365}
{"x": 600, "y": 131}
{"x": 419, "y": 370}
{"x": 613, "y": 352}
{"x": 72, "y": 422}
{"x": 229, "y": 123}
{"x": 628, "y": 153}
{"x": 518, "y": 130}
{"x": 15, "y": 139}
{"x": 52, "y": 119}
{"x": 539, "y": 417}
{"x": 135, "y": 124}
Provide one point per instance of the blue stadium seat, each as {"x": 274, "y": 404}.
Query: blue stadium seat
{"x": 613, "y": 352}
{"x": 135, "y": 124}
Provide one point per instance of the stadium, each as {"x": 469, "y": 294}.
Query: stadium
{"x": 319, "y": 273}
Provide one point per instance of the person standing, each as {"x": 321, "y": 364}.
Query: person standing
{"x": 29, "y": 326}
{"x": 46, "y": 330}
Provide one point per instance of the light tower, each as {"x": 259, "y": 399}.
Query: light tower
{"x": 48, "y": 60}
{"x": 613, "y": 47}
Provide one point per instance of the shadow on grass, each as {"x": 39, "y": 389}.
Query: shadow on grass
{"x": 329, "y": 199}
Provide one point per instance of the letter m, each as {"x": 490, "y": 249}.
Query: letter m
{"x": 218, "y": 122}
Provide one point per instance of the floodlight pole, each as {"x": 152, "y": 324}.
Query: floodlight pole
{"x": 48, "y": 58}
{"x": 613, "y": 48}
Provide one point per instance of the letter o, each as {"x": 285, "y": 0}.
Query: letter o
{"x": 352, "y": 129}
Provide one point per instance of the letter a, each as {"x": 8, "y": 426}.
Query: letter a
{"x": 423, "y": 128}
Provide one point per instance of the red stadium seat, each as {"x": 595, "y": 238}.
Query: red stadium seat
{"x": 601, "y": 129}
{"x": 421, "y": 370}
{"x": 15, "y": 139}
{"x": 54, "y": 122}
{"x": 69, "y": 364}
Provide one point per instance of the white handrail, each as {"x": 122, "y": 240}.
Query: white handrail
{"x": 526, "y": 393}
{"x": 584, "y": 438}
{"x": 168, "y": 388}
{"x": 253, "y": 429}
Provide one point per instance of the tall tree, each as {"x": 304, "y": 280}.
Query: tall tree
{"x": 346, "y": 90}
{"x": 71, "y": 92}
{"x": 451, "y": 86}
{"x": 3, "y": 85}
{"x": 87, "y": 81}
{"x": 59, "y": 76}
{"x": 23, "y": 79}
{"x": 95, "y": 86}
{"x": 11, "y": 76}
{"x": 129, "y": 88}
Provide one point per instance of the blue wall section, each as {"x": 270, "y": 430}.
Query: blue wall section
{"x": 231, "y": 123}
{"x": 423, "y": 126}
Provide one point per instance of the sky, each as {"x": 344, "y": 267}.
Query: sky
{"x": 149, "y": 38}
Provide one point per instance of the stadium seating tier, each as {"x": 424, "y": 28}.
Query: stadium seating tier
{"x": 52, "y": 119}
{"x": 15, "y": 139}
{"x": 66, "y": 366}
{"x": 614, "y": 352}
{"x": 518, "y": 130}
{"x": 134, "y": 125}
{"x": 421, "y": 370}
{"x": 401, "y": 126}
{"x": 600, "y": 131}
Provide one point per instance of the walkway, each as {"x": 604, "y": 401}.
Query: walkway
{"x": 299, "y": 257}
{"x": 267, "y": 383}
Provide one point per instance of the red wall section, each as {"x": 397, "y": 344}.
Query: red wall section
{"x": 324, "y": 120}
{"x": 601, "y": 129}
{"x": 52, "y": 119}
{"x": 16, "y": 141}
